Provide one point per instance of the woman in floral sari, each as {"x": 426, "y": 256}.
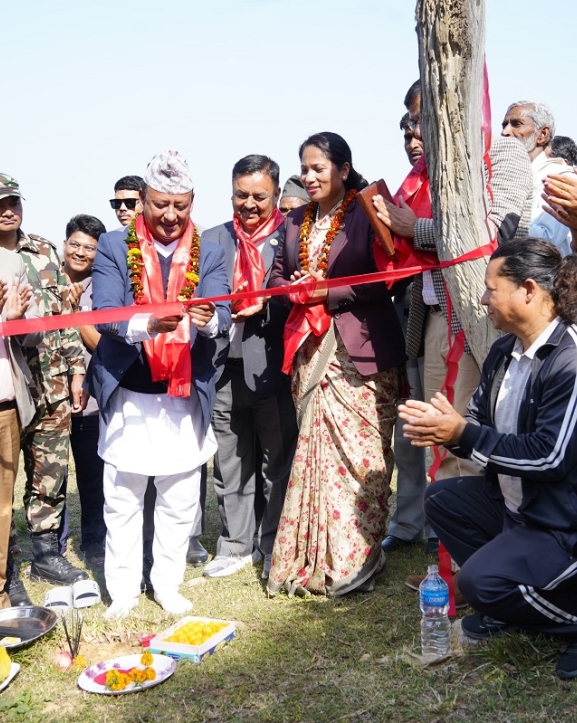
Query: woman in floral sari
{"x": 345, "y": 351}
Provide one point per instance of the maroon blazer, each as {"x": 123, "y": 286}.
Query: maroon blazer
{"x": 364, "y": 315}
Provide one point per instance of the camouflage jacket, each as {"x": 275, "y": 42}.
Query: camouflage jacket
{"x": 60, "y": 352}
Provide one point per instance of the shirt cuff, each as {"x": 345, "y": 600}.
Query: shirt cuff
{"x": 210, "y": 329}
{"x": 138, "y": 329}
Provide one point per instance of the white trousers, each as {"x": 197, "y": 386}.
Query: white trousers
{"x": 175, "y": 512}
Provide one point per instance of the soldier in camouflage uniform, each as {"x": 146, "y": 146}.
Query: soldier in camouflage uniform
{"x": 45, "y": 442}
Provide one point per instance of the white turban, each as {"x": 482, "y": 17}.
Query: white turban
{"x": 168, "y": 172}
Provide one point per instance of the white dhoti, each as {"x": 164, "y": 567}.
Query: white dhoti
{"x": 151, "y": 436}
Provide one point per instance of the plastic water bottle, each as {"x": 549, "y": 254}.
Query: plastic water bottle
{"x": 435, "y": 623}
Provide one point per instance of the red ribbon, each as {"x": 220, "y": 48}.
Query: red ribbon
{"x": 124, "y": 313}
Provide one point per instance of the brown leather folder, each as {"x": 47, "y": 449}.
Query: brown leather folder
{"x": 381, "y": 230}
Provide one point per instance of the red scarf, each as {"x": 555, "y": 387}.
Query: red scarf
{"x": 168, "y": 354}
{"x": 304, "y": 319}
{"x": 416, "y": 193}
{"x": 248, "y": 265}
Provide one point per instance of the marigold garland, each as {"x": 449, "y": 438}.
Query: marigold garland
{"x": 134, "y": 263}
{"x": 305, "y": 232}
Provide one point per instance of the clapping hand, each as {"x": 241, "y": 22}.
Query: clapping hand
{"x": 560, "y": 192}
{"x": 74, "y": 294}
{"x": 433, "y": 423}
{"x": 14, "y": 301}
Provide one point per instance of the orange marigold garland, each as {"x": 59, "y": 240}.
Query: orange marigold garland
{"x": 135, "y": 265}
{"x": 305, "y": 232}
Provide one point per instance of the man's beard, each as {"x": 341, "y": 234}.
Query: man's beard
{"x": 529, "y": 143}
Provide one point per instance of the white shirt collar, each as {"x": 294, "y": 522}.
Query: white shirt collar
{"x": 542, "y": 339}
{"x": 166, "y": 250}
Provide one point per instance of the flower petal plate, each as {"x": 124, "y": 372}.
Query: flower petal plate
{"x": 14, "y": 668}
{"x": 92, "y": 679}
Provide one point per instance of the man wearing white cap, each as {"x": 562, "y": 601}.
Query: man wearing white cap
{"x": 153, "y": 378}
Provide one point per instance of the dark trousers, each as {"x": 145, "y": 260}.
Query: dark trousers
{"x": 511, "y": 570}
{"x": 89, "y": 470}
{"x": 241, "y": 418}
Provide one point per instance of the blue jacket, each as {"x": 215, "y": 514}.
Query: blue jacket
{"x": 113, "y": 355}
{"x": 544, "y": 450}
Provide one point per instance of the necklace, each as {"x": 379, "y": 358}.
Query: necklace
{"x": 135, "y": 264}
{"x": 305, "y": 232}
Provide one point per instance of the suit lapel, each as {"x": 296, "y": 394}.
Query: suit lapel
{"x": 339, "y": 242}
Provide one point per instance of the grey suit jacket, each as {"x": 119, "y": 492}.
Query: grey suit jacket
{"x": 11, "y": 265}
{"x": 262, "y": 341}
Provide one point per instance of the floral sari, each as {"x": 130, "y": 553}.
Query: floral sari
{"x": 335, "y": 510}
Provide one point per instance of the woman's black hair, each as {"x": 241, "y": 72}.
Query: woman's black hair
{"x": 337, "y": 150}
{"x": 537, "y": 259}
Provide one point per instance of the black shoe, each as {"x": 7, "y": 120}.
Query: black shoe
{"x": 392, "y": 543}
{"x": 567, "y": 664}
{"x": 196, "y": 555}
{"x": 483, "y": 627}
{"x": 432, "y": 546}
{"x": 48, "y": 565}
{"x": 14, "y": 585}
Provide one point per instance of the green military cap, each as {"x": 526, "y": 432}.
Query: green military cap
{"x": 9, "y": 186}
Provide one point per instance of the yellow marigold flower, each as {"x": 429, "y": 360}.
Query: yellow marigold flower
{"x": 150, "y": 673}
{"x": 134, "y": 252}
{"x": 191, "y": 276}
{"x": 146, "y": 659}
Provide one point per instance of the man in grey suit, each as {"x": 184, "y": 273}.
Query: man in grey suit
{"x": 16, "y": 406}
{"x": 254, "y": 407}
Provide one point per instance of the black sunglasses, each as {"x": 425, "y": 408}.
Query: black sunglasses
{"x": 130, "y": 203}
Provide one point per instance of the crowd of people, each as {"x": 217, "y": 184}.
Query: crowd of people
{"x": 295, "y": 395}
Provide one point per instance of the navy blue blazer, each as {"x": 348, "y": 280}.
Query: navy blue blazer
{"x": 114, "y": 355}
{"x": 262, "y": 341}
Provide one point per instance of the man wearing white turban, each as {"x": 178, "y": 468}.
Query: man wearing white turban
{"x": 153, "y": 378}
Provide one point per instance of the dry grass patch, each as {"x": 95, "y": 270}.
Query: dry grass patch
{"x": 293, "y": 660}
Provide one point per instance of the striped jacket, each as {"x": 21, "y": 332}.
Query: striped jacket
{"x": 544, "y": 450}
{"x": 512, "y": 188}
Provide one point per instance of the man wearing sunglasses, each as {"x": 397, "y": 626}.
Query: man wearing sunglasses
{"x": 126, "y": 202}
{"x": 45, "y": 441}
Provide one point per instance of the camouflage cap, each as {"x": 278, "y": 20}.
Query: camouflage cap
{"x": 168, "y": 172}
{"x": 9, "y": 186}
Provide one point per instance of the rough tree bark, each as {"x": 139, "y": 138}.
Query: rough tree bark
{"x": 451, "y": 56}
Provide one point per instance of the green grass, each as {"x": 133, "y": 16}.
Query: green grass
{"x": 293, "y": 660}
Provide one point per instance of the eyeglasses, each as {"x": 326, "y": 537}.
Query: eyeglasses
{"x": 89, "y": 248}
{"x": 130, "y": 203}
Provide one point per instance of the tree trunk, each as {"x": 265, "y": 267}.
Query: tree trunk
{"x": 451, "y": 58}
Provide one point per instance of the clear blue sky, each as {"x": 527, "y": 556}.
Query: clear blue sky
{"x": 92, "y": 90}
